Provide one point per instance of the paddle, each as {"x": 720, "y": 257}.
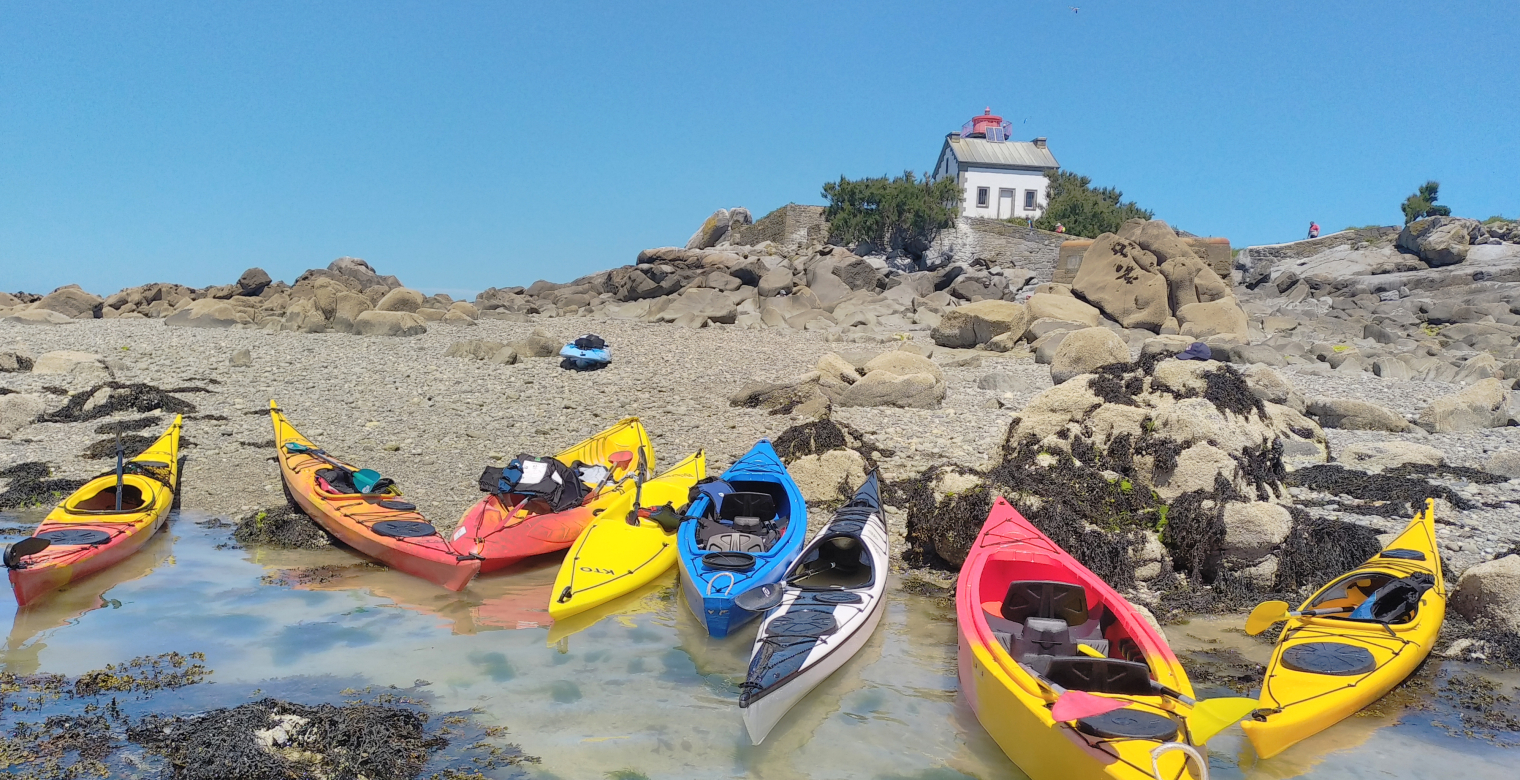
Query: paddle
{"x": 1271, "y": 612}
{"x": 760, "y": 598}
{"x": 28, "y": 546}
{"x": 121, "y": 466}
{"x": 1205, "y": 719}
{"x": 619, "y": 461}
{"x": 364, "y": 479}
{"x": 638, "y": 490}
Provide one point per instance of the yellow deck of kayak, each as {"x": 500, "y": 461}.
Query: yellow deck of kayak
{"x": 611, "y": 557}
{"x": 1295, "y": 704}
{"x": 95, "y": 501}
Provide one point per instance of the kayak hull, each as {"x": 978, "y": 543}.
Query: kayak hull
{"x": 351, "y": 517}
{"x": 1011, "y": 703}
{"x": 612, "y": 557}
{"x": 92, "y": 508}
{"x": 1294, "y": 704}
{"x": 785, "y": 666}
{"x": 710, "y": 592}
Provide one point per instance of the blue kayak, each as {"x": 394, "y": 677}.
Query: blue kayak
{"x": 742, "y": 530}
{"x": 585, "y": 358}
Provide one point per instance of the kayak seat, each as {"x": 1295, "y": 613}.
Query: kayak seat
{"x": 746, "y": 523}
{"x": 336, "y": 481}
{"x": 1045, "y": 599}
{"x": 1047, "y": 637}
{"x": 735, "y": 541}
{"x": 132, "y": 500}
{"x": 1396, "y": 601}
{"x": 747, "y": 511}
{"x": 1100, "y": 675}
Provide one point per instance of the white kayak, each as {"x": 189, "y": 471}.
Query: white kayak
{"x": 821, "y": 613}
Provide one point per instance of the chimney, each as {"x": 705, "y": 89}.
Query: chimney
{"x": 1039, "y": 142}
{"x": 955, "y": 136}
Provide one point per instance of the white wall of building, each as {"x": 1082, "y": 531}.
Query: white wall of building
{"x": 1001, "y": 183}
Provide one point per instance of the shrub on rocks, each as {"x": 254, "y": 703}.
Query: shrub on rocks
{"x": 1084, "y": 351}
{"x": 389, "y": 323}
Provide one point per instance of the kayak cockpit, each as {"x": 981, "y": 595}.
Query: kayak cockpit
{"x": 103, "y": 500}
{"x": 751, "y": 519}
{"x": 837, "y": 562}
{"x": 1374, "y": 596}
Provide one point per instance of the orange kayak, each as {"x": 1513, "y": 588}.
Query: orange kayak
{"x": 380, "y": 525}
{"x": 86, "y": 532}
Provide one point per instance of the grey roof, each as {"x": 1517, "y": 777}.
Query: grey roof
{"x": 1008, "y": 154}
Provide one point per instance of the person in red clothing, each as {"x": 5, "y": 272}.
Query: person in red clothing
{"x": 1313, "y": 229}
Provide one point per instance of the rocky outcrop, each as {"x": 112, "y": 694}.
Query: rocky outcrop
{"x": 83, "y": 366}
{"x": 1484, "y": 405}
{"x": 897, "y": 378}
{"x": 206, "y": 313}
{"x": 1086, "y": 350}
{"x": 389, "y": 323}
{"x": 1377, "y": 456}
{"x": 1439, "y": 241}
{"x": 1355, "y": 415}
{"x": 980, "y": 322}
{"x": 17, "y": 411}
{"x": 1491, "y": 592}
{"x": 1122, "y": 280}
{"x": 71, "y": 302}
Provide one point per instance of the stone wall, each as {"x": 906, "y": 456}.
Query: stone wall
{"x": 790, "y": 226}
{"x": 1217, "y": 250}
{"x": 1002, "y": 244}
{"x": 1256, "y": 262}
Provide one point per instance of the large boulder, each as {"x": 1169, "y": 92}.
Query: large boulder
{"x": 84, "y": 366}
{"x": 705, "y": 303}
{"x": 15, "y": 360}
{"x": 71, "y": 302}
{"x": 1375, "y": 456}
{"x": 1050, "y": 306}
{"x": 207, "y": 313}
{"x": 980, "y": 322}
{"x": 1190, "y": 280}
{"x": 389, "y": 323}
{"x": 538, "y": 344}
{"x": 346, "y": 309}
{"x": 304, "y": 317}
{"x": 1438, "y": 241}
{"x": 361, "y": 273}
{"x": 38, "y": 317}
{"x": 1122, "y": 279}
{"x": 252, "y": 282}
{"x": 828, "y": 476}
{"x": 776, "y": 281}
{"x": 1356, "y": 415}
{"x": 17, "y": 411}
{"x": 401, "y": 299}
{"x": 1254, "y": 529}
{"x": 1222, "y": 317}
{"x": 713, "y": 230}
{"x": 1491, "y": 591}
{"x": 477, "y": 349}
{"x": 1083, "y": 351}
{"x": 1484, "y": 405}
{"x": 897, "y": 378}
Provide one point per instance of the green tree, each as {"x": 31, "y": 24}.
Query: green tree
{"x": 890, "y": 212}
{"x": 1423, "y": 203}
{"x": 1084, "y": 210}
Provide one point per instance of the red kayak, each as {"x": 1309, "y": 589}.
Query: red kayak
{"x": 1035, "y": 625}
{"x": 503, "y": 529}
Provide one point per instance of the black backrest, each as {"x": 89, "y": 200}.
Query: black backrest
{"x": 1044, "y": 599}
{"x": 1101, "y": 675}
{"x": 759, "y": 505}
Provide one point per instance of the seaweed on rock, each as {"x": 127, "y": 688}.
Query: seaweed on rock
{"x": 1389, "y": 494}
{"x": 1318, "y": 549}
{"x": 30, "y": 486}
{"x": 281, "y": 526}
{"x": 124, "y": 398}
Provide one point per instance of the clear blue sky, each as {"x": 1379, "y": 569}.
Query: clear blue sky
{"x": 466, "y": 145}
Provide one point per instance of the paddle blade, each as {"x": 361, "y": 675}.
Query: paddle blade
{"x": 620, "y": 459}
{"x": 1076, "y": 705}
{"x": 28, "y": 546}
{"x": 364, "y": 479}
{"x": 761, "y": 598}
{"x": 1265, "y": 615}
{"x": 1212, "y": 716}
{"x": 295, "y": 446}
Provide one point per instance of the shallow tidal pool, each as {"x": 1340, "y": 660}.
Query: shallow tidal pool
{"x": 634, "y": 690}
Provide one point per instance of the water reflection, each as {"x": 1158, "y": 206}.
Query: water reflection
{"x": 638, "y": 686}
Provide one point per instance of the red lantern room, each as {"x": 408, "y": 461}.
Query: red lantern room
{"x": 988, "y": 126}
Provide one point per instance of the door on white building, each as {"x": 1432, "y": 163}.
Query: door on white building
{"x": 1005, "y": 204}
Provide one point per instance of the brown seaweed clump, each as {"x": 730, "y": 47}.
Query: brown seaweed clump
{"x": 281, "y": 526}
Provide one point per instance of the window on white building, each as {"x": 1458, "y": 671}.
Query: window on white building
{"x": 1029, "y": 196}
{"x": 981, "y": 197}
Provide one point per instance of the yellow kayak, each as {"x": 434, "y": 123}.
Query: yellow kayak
{"x": 612, "y": 557}
{"x": 1383, "y": 621}
{"x": 93, "y": 529}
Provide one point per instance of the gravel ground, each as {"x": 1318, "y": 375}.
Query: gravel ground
{"x": 432, "y": 422}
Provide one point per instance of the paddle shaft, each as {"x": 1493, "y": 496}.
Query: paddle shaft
{"x": 638, "y": 489}
{"x": 121, "y": 466}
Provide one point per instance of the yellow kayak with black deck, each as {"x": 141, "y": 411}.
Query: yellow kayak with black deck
{"x": 1351, "y": 642}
